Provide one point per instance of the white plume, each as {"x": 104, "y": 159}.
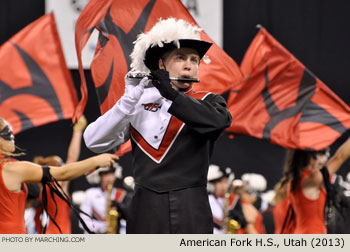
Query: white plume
{"x": 78, "y": 197}
{"x": 268, "y": 197}
{"x": 256, "y": 182}
{"x": 164, "y": 31}
{"x": 214, "y": 172}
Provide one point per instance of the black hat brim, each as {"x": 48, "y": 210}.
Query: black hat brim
{"x": 154, "y": 53}
{"x": 110, "y": 170}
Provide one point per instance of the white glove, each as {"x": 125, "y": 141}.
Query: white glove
{"x": 134, "y": 89}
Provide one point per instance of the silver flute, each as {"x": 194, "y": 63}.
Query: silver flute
{"x": 141, "y": 75}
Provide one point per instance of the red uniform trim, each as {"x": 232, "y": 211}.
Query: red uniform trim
{"x": 119, "y": 195}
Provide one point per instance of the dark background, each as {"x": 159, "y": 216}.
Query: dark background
{"x": 315, "y": 31}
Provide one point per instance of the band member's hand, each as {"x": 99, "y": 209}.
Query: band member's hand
{"x": 134, "y": 89}
{"x": 81, "y": 124}
{"x": 130, "y": 77}
{"x": 105, "y": 160}
{"x": 162, "y": 82}
{"x": 102, "y": 160}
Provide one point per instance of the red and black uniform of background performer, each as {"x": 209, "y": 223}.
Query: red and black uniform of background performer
{"x": 12, "y": 206}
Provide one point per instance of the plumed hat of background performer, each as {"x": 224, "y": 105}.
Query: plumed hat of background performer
{"x": 254, "y": 181}
{"x": 215, "y": 173}
{"x": 269, "y": 197}
{"x": 166, "y": 35}
{"x": 78, "y": 197}
{"x": 95, "y": 177}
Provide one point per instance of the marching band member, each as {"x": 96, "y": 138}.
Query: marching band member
{"x": 172, "y": 128}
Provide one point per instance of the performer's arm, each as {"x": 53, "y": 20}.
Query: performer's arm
{"x": 205, "y": 116}
{"x": 75, "y": 142}
{"x": 112, "y": 128}
{"x": 15, "y": 173}
{"x": 340, "y": 156}
{"x": 108, "y": 131}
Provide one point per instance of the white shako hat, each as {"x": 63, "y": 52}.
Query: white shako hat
{"x": 95, "y": 176}
{"x": 256, "y": 182}
{"x": 165, "y": 35}
{"x": 214, "y": 173}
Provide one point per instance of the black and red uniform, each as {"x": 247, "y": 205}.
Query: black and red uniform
{"x": 172, "y": 142}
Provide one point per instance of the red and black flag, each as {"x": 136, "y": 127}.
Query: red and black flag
{"x": 281, "y": 101}
{"x": 35, "y": 85}
{"x": 89, "y": 18}
{"x": 119, "y": 22}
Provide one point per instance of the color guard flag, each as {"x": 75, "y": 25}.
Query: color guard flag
{"x": 281, "y": 101}
{"x": 35, "y": 85}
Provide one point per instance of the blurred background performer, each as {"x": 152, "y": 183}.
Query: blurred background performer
{"x": 14, "y": 174}
{"x": 247, "y": 188}
{"x": 282, "y": 206}
{"x": 305, "y": 189}
{"x": 225, "y": 205}
{"x": 105, "y": 203}
{"x": 31, "y": 206}
{"x": 217, "y": 187}
{"x": 57, "y": 206}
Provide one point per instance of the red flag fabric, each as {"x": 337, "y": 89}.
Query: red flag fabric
{"x": 124, "y": 148}
{"x": 123, "y": 21}
{"x": 35, "y": 84}
{"x": 282, "y": 101}
{"x": 91, "y": 15}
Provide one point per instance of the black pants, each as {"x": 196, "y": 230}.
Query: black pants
{"x": 185, "y": 211}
